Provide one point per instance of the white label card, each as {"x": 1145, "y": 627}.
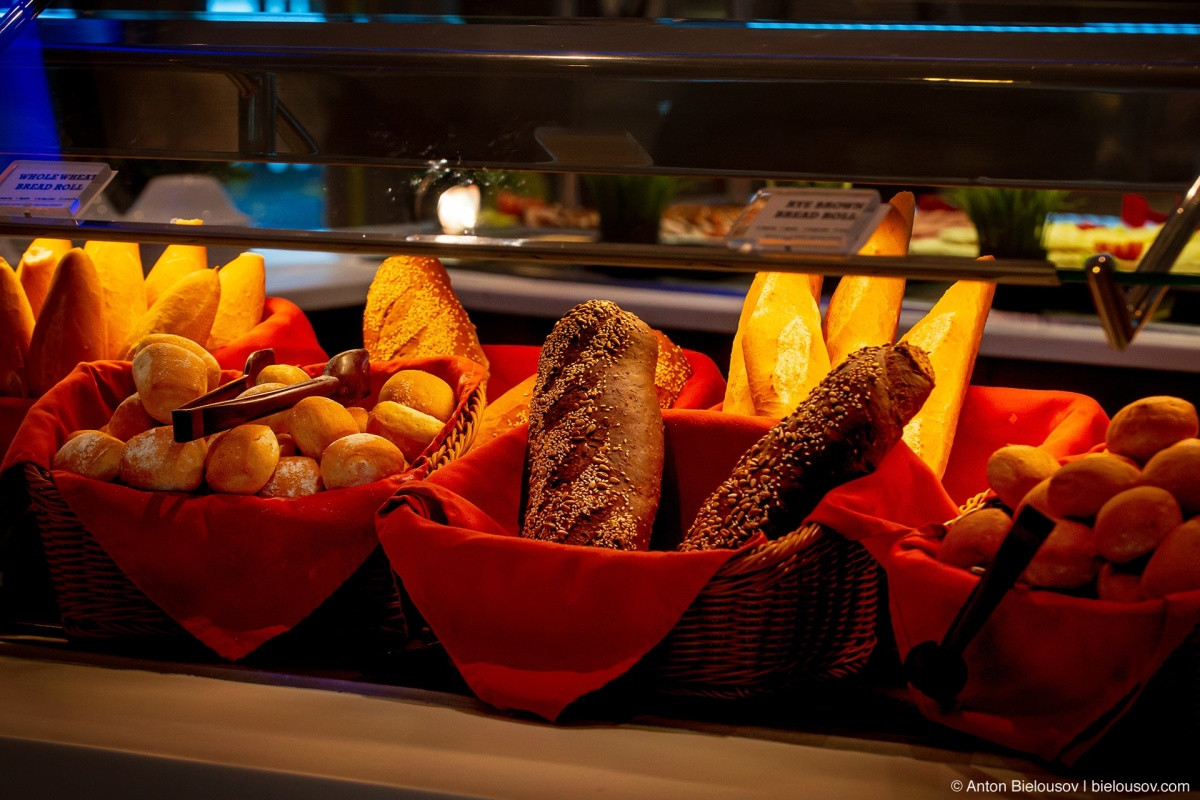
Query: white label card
{"x": 51, "y": 188}
{"x": 831, "y": 221}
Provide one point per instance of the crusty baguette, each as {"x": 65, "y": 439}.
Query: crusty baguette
{"x": 508, "y": 411}
{"x": 120, "y": 267}
{"x": 950, "y": 333}
{"x": 594, "y": 459}
{"x": 841, "y": 431}
{"x": 36, "y": 268}
{"x": 243, "y": 295}
{"x": 187, "y": 308}
{"x": 782, "y": 346}
{"x": 864, "y": 310}
{"x": 72, "y": 326}
{"x": 738, "y": 399}
{"x": 16, "y": 329}
{"x": 412, "y": 311}
{"x": 176, "y": 261}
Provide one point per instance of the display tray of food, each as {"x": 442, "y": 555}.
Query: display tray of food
{"x": 606, "y": 523}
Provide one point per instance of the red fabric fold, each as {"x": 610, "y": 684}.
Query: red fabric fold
{"x": 509, "y": 364}
{"x": 535, "y": 625}
{"x": 234, "y": 571}
{"x": 284, "y": 327}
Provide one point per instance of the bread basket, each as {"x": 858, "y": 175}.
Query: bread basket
{"x": 1080, "y": 682}
{"x": 100, "y": 604}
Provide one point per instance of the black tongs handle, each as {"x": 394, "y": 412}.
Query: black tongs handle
{"x": 937, "y": 669}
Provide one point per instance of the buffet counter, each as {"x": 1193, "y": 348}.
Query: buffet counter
{"x": 79, "y": 725}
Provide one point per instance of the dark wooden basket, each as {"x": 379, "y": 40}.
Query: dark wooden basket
{"x": 97, "y": 601}
{"x": 799, "y": 608}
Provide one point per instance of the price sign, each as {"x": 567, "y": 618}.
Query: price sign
{"x": 830, "y": 221}
{"x": 51, "y": 188}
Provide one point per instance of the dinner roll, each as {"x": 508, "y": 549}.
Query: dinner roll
{"x": 91, "y": 454}
{"x": 1145, "y": 426}
{"x": 973, "y": 539}
{"x": 286, "y": 374}
{"x": 316, "y": 422}
{"x": 167, "y": 376}
{"x": 130, "y": 418}
{"x": 210, "y": 361}
{"x": 294, "y": 476}
{"x": 154, "y": 460}
{"x": 1066, "y": 560}
{"x": 407, "y": 428}
{"x": 1079, "y": 488}
{"x": 358, "y": 459}
{"x": 422, "y": 391}
{"x": 1177, "y": 469}
{"x": 278, "y": 421}
{"x": 1175, "y": 565}
{"x": 1134, "y": 521}
{"x": 242, "y": 459}
{"x": 360, "y": 416}
{"x": 1015, "y": 469}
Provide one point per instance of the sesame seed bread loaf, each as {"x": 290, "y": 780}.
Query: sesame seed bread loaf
{"x": 841, "y": 431}
{"x": 594, "y": 459}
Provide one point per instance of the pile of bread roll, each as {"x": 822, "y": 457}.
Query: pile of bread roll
{"x": 783, "y": 347}
{"x": 64, "y": 305}
{"x": 1126, "y": 518}
{"x": 316, "y": 445}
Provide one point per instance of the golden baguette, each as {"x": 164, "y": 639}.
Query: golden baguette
{"x": 36, "y": 268}
{"x": 119, "y": 265}
{"x": 16, "y": 329}
{"x": 864, "y": 310}
{"x": 242, "y": 298}
{"x": 177, "y": 261}
{"x": 950, "y": 333}
{"x": 782, "y": 346}
{"x": 72, "y": 326}
{"x": 738, "y": 399}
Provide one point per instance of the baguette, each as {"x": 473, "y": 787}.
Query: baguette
{"x": 71, "y": 327}
{"x": 240, "y": 305}
{"x": 16, "y": 329}
{"x": 186, "y": 309}
{"x": 841, "y": 431}
{"x": 782, "y": 346}
{"x": 594, "y": 459}
{"x": 120, "y": 267}
{"x": 36, "y": 268}
{"x": 950, "y": 333}
{"x": 864, "y": 310}
{"x": 738, "y": 399}
{"x": 176, "y": 261}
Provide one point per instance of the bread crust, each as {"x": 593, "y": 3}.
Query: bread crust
{"x": 594, "y": 457}
{"x": 841, "y": 431}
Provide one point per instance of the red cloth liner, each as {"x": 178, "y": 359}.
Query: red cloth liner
{"x": 283, "y": 327}
{"x": 535, "y": 625}
{"x": 512, "y": 363}
{"x": 235, "y": 571}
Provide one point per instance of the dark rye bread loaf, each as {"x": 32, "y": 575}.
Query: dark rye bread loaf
{"x": 841, "y": 431}
{"x": 593, "y": 463}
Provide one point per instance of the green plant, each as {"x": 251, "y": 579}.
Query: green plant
{"x": 630, "y": 206}
{"x": 1010, "y": 223}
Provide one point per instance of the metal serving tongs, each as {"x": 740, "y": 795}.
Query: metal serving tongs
{"x": 938, "y": 669}
{"x": 346, "y": 378}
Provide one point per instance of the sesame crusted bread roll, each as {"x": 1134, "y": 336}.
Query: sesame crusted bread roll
{"x": 671, "y": 371}
{"x": 841, "y": 431}
{"x": 594, "y": 461}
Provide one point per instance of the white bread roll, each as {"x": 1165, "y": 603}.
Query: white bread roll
{"x": 359, "y": 459}
{"x": 91, "y": 454}
{"x": 242, "y": 459}
{"x": 155, "y": 461}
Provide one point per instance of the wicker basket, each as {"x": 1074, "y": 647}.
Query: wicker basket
{"x": 798, "y": 608}
{"x": 98, "y": 602}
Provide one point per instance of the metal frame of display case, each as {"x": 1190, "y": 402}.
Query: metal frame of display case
{"x": 1082, "y": 106}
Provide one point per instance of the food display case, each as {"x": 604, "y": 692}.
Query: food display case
{"x": 328, "y": 137}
